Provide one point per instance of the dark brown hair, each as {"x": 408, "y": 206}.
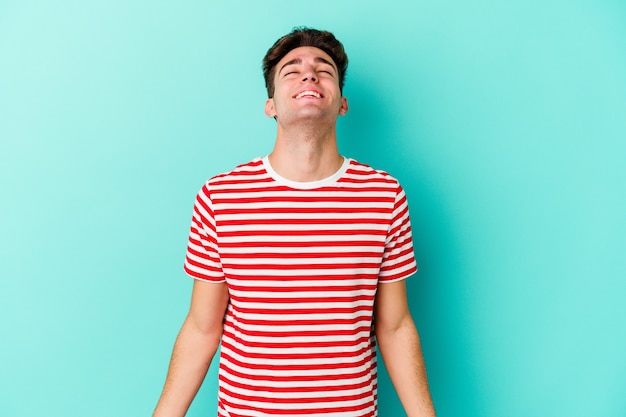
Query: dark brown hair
{"x": 303, "y": 36}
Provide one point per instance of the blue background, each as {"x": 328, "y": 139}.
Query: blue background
{"x": 505, "y": 122}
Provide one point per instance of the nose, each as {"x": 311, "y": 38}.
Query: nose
{"x": 309, "y": 75}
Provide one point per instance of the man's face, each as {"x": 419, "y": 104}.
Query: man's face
{"x": 306, "y": 88}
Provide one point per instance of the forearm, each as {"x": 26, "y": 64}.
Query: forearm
{"x": 192, "y": 354}
{"x": 402, "y": 354}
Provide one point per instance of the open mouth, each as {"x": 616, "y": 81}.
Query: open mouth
{"x": 308, "y": 93}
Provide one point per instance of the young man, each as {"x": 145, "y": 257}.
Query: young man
{"x": 295, "y": 256}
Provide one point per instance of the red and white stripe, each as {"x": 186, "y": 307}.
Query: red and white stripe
{"x": 302, "y": 262}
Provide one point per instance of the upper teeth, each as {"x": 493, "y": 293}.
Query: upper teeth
{"x": 308, "y": 93}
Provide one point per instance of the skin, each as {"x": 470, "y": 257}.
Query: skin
{"x": 305, "y": 150}
{"x": 194, "y": 349}
{"x": 400, "y": 348}
{"x": 306, "y": 140}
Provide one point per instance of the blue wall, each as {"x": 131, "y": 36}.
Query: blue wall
{"x": 505, "y": 122}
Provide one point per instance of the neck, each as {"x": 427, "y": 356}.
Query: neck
{"x": 306, "y": 153}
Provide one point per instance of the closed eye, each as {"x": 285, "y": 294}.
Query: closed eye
{"x": 326, "y": 69}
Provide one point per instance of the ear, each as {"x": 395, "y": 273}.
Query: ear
{"x": 343, "y": 108}
{"x": 270, "y": 111}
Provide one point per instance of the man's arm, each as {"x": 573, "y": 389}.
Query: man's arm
{"x": 399, "y": 345}
{"x": 194, "y": 349}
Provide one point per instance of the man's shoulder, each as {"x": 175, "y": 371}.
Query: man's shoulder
{"x": 246, "y": 171}
{"x": 360, "y": 170}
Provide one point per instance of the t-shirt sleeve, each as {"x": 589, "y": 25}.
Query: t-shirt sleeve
{"x": 399, "y": 258}
{"x": 202, "y": 260}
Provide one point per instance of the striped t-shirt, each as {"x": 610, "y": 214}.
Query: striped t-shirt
{"x": 302, "y": 262}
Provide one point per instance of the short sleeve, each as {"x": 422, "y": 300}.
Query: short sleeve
{"x": 202, "y": 260}
{"x": 399, "y": 258}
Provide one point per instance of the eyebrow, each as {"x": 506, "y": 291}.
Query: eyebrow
{"x": 297, "y": 61}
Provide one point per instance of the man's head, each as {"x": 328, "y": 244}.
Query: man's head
{"x": 298, "y": 37}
